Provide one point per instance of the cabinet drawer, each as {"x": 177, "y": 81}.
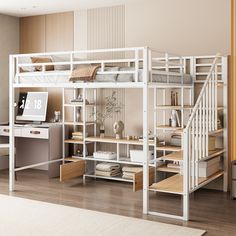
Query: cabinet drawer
{"x": 39, "y": 133}
{"x": 4, "y": 131}
{"x": 72, "y": 170}
{"x": 138, "y": 179}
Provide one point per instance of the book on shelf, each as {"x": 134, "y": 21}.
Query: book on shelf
{"x": 79, "y": 135}
{"x": 174, "y": 166}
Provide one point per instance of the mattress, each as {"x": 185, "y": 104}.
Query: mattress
{"x": 63, "y": 77}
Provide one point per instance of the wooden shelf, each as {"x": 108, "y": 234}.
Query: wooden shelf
{"x": 72, "y": 159}
{"x": 174, "y": 184}
{"x": 216, "y": 132}
{"x": 114, "y": 140}
{"x": 168, "y": 148}
{"x": 116, "y": 178}
{"x": 75, "y": 141}
{"x": 122, "y": 160}
{"x": 178, "y": 156}
{"x": 169, "y": 128}
{"x": 78, "y": 123}
{"x": 174, "y": 156}
{"x": 164, "y": 168}
{"x": 77, "y": 105}
{"x": 215, "y": 153}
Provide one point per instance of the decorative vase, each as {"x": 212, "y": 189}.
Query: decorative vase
{"x": 102, "y": 131}
{"x": 78, "y": 114}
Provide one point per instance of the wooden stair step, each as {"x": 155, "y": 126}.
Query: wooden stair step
{"x": 174, "y": 156}
{"x": 168, "y": 148}
{"x": 174, "y": 184}
{"x": 165, "y": 168}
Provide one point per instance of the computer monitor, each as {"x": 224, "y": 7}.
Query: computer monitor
{"x": 32, "y": 106}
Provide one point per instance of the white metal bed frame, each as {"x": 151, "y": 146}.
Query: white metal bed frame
{"x": 150, "y": 65}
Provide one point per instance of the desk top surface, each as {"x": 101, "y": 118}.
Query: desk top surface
{"x": 4, "y": 145}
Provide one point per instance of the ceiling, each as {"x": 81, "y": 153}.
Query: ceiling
{"x": 38, "y": 7}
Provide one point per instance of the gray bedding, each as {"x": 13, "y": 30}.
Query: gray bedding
{"x": 51, "y": 77}
{"x": 156, "y": 77}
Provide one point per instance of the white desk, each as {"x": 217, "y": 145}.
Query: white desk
{"x": 36, "y": 144}
{"x": 4, "y": 145}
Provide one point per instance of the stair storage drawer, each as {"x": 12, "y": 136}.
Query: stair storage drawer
{"x": 72, "y": 170}
{"x": 210, "y": 167}
{"x": 138, "y": 179}
{"x": 39, "y": 133}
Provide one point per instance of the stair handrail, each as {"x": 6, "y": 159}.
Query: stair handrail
{"x": 202, "y": 91}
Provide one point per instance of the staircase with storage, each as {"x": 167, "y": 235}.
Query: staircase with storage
{"x": 200, "y": 156}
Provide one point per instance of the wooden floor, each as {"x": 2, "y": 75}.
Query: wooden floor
{"x": 210, "y": 210}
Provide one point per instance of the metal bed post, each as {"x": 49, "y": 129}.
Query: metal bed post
{"x": 11, "y": 124}
{"x": 186, "y": 177}
{"x": 145, "y": 131}
{"x": 224, "y": 69}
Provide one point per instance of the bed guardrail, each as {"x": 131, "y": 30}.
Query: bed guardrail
{"x": 133, "y": 58}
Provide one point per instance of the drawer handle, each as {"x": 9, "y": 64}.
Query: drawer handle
{"x": 6, "y": 130}
{"x": 35, "y": 132}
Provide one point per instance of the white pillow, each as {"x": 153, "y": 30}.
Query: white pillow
{"x": 61, "y": 59}
{"x": 26, "y": 60}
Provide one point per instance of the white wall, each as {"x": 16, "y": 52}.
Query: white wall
{"x": 9, "y": 44}
{"x": 185, "y": 27}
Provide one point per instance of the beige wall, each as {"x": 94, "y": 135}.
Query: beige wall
{"x": 186, "y": 27}
{"x": 9, "y": 44}
{"x": 48, "y": 33}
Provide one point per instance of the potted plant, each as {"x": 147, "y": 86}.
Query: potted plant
{"x": 111, "y": 107}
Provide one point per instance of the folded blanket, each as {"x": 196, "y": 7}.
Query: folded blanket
{"x": 128, "y": 175}
{"x": 108, "y": 173}
{"x": 132, "y": 169}
{"x": 84, "y": 73}
{"x": 107, "y": 166}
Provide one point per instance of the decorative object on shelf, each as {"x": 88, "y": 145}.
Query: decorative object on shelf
{"x": 78, "y": 114}
{"x": 78, "y": 135}
{"x": 104, "y": 155}
{"x": 174, "y": 98}
{"x": 102, "y": 131}
{"x": 175, "y": 140}
{"x": 57, "y": 116}
{"x": 78, "y": 154}
{"x": 137, "y": 155}
{"x": 174, "y": 165}
{"x": 111, "y": 106}
{"x": 174, "y": 119}
{"x": 118, "y": 129}
{"x": 108, "y": 169}
{"x": 129, "y": 137}
{"x": 79, "y": 100}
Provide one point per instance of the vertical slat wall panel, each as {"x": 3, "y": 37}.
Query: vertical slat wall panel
{"x": 33, "y": 34}
{"x": 106, "y": 29}
{"x": 59, "y": 37}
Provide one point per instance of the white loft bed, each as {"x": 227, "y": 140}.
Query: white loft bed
{"x": 150, "y": 69}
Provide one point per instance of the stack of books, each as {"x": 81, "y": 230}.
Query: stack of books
{"x": 78, "y": 135}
